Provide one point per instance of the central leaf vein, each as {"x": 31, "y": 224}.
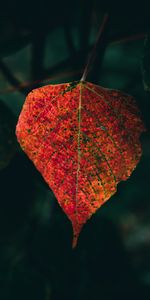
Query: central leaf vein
{"x": 78, "y": 148}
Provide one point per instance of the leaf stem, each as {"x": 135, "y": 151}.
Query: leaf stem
{"x": 93, "y": 52}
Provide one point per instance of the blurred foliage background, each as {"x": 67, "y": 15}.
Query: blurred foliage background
{"x": 43, "y": 42}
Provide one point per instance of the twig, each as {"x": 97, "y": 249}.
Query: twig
{"x": 131, "y": 38}
{"x": 38, "y": 48}
{"x": 11, "y": 79}
{"x": 26, "y": 86}
{"x": 93, "y": 52}
{"x": 69, "y": 40}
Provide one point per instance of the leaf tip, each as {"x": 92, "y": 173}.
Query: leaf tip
{"x": 74, "y": 242}
{"x": 76, "y": 232}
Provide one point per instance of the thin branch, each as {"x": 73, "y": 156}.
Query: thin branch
{"x": 134, "y": 37}
{"x": 69, "y": 40}
{"x": 93, "y": 52}
{"x": 25, "y": 87}
{"x": 11, "y": 79}
{"x": 37, "y": 52}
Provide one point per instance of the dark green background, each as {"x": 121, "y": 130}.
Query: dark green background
{"x": 50, "y": 40}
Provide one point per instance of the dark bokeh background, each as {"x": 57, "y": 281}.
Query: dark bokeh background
{"x": 50, "y": 40}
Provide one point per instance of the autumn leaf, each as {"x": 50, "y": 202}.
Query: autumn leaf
{"x": 83, "y": 139}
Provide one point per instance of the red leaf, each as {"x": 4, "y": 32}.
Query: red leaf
{"x": 83, "y": 139}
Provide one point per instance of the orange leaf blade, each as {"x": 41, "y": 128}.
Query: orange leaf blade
{"x": 83, "y": 139}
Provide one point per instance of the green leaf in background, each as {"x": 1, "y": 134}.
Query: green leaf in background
{"x": 146, "y": 64}
{"x": 7, "y": 135}
{"x": 10, "y": 40}
{"x": 10, "y": 45}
